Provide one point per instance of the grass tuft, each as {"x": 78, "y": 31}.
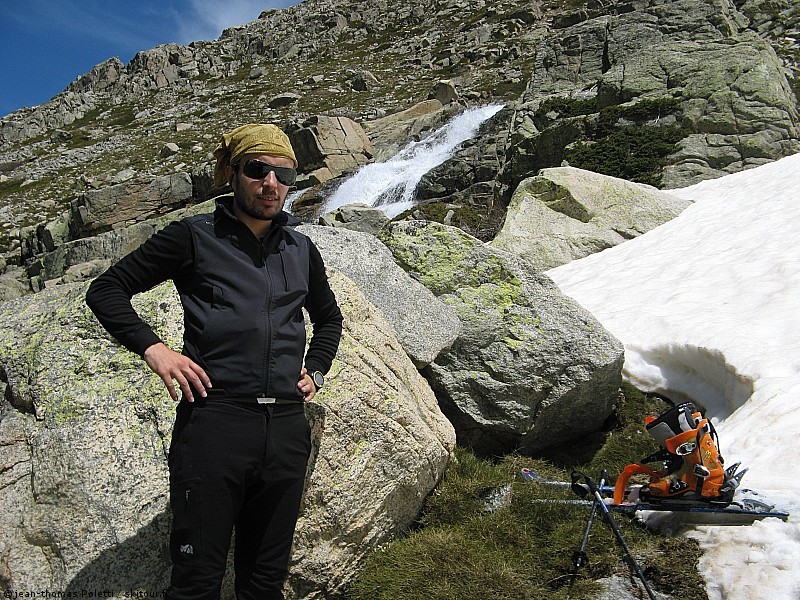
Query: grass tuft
{"x": 460, "y": 550}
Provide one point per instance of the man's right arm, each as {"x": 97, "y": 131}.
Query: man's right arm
{"x": 166, "y": 255}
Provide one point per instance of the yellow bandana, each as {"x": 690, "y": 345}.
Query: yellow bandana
{"x": 250, "y": 139}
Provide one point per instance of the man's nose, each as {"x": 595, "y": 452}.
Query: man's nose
{"x": 270, "y": 180}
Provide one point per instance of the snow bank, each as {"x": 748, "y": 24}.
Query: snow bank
{"x": 708, "y": 307}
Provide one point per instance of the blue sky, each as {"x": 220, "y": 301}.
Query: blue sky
{"x": 46, "y": 44}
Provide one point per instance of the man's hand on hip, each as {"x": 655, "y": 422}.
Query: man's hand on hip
{"x": 306, "y": 385}
{"x": 171, "y": 365}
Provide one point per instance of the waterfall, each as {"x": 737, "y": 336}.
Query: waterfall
{"x": 390, "y": 185}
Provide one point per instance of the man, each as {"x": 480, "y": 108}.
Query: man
{"x": 241, "y": 441}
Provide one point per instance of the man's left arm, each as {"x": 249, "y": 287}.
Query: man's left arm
{"x": 326, "y": 319}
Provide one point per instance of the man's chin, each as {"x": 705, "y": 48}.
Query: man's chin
{"x": 264, "y": 214}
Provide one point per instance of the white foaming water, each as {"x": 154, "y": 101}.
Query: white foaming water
{"x": 390, "y": 185}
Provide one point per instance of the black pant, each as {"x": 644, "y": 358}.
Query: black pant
{"x": 235, "y": 465}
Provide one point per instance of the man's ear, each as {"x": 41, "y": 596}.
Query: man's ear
{"x": 230, "y": 175}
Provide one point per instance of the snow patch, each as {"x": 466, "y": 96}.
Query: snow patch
{"x": 708, "y": 308}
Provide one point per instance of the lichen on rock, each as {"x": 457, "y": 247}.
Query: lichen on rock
{"x": 531, "y": 368}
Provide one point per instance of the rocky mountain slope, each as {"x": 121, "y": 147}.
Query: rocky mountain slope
{"x": 662, "y": 91}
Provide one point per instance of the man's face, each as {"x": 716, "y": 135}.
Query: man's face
{"x": 260, "y": 199}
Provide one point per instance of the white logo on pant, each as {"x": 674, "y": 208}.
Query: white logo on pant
{"x": 187, "y": 549}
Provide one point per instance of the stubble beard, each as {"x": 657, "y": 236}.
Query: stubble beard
{"x": 249, "y": 204}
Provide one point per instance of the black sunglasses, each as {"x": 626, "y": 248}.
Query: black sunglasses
{"x": 255, "y": 169}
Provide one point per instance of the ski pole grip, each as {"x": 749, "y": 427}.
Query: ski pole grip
{"x": 577, "y": 487}
{"x": 593, "y": 486}
{"x": 590, "y": 487}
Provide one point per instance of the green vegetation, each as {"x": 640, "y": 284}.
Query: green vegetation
{"x": 122, "y": 115}
{"x": 561, "y": 5}
{"x": 79, "y": 139}
{"x": 626, "y": 140}
{"x": 622, "y": 140}
{"x": 8, "y": 186}
{"x": 567, "y": 107}
{"x": 119, "y": 115}
{"x": 648, "y": 109}
{"x": 509, "y": 90}
{"x": 637, "y": 153}
{"x": 524, "y": 550}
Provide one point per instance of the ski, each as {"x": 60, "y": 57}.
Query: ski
{"x": 751, "y": 509}
{"x": 744, "y": 508}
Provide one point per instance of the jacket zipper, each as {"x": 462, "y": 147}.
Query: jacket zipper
{"x": 267, "y": 323}
{"x": 283, "y": 266}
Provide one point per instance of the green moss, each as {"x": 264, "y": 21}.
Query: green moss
{"x": 517, "y": 343}
{"x": 501, "y": 297}
{"x": 438, "y": 256}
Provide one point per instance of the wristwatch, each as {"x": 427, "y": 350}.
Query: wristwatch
{"x": 318, "y": 378}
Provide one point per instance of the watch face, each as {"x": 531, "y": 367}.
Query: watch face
{"x": 319, "y": 380}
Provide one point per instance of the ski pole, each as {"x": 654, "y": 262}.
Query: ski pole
{"x": 579, "y": 557}
{"x": 615, "y": 528}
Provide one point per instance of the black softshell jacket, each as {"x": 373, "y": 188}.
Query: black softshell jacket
{"x": 242, "y": 299}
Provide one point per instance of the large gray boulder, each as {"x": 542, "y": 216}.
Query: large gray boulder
{"x": 565, "y": 213}
{"x": 357, "y": 216}
{"x": 114, "y": 207}
{"x": 85, "y": 430}
{"x": 531, "y": 368}
{"x": 107, "y": 247}
{"x": 128, "y": 203}
{"x": 13, "y": 284}
{"x": 381, "y": 446}
{"x": 328, "y": 146}
{"x": 424, "y": 324}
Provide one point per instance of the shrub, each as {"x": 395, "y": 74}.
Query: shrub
{"x": 637, "y": 153}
